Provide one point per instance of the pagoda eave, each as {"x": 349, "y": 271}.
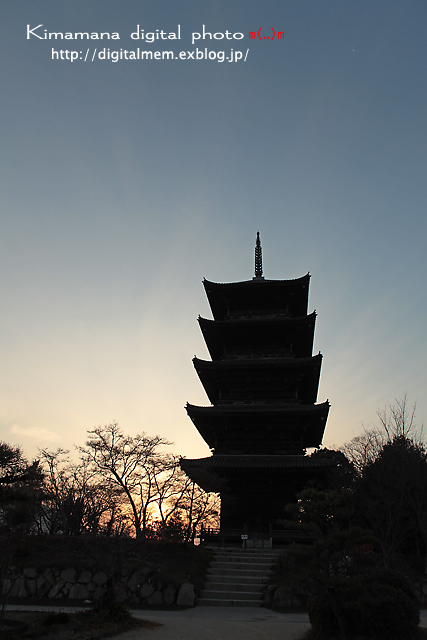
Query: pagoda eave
{"x": 226, "y": 299}
{"x": 258, "y": 462}
{"x": 240, "y": 408}
{"x": 270, "y": 377}
{"x": 269, "y": 428}
{"x": 211, "y": 473}
{"x": 230, "y": 338}
{"x": 264, "y": 363}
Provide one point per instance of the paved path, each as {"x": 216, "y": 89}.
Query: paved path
{"x": 221, "y": 623}
{"x": 226, "y": 623}
{"x": 217, "y": 623}
{"x": 209, "y": 623}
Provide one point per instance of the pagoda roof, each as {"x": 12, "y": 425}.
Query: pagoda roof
{"x": 255, "y": 428}
{"x": 258, "y": 376}
{"x": 238, "y": 408}
{"x": 258, "y": 462}
{"x": 262, "y": 363}
{"x": 257, "y": 296}
{"x": 258, "y": 334}
{"x": 207, "y": 472}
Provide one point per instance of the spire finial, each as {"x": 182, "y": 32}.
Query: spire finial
{"x": 258, "y": 257}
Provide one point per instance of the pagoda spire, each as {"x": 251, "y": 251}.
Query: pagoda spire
{"x": 258, "y": 257}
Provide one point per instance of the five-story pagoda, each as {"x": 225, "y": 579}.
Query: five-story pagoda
{"x": 262, "y": 383}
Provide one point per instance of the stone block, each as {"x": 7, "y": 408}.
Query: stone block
{"x": 18, "y": 589}
{"x": 84, "y": 577}
{"x": 68, "y": 575}
{"x": 186, "y": 595}
{"x": 50, "y": 578}
{"x": 41, "y": 580}
{"x": 146, "y": 590}
{"x": 30, "y": 572}
{"x": 169, "y": 594}
{"x": 6, "y": 586}
{"x": 32, "y": 587}
{"x": 78, "y": 592}
{"x": 55, "y": 590}
{"x": 155, "y": 598}
{"x": 43, "y": 589}
{"x": 100, "y": 578}
{"x": 138, "y": 578}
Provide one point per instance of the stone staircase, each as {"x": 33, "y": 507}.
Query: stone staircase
{"x": 235, "y": 578}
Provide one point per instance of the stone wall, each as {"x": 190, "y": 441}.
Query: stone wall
{"x": 142, "y": 586}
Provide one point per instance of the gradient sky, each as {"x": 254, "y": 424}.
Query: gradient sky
{"x": 124, "y": 184}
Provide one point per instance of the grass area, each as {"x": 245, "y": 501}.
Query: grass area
{"x": 87, "y": 625}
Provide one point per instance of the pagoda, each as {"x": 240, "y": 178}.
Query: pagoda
{"x": 262, "y": 384}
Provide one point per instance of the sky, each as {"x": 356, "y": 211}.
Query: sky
{"x": 124, "y": 183}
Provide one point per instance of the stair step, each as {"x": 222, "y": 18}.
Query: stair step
{"x": 236, "y": 578}
{"x": 210, "y": 602}
{"x": 233, "y": 578}
{"x": 231, "y": 595}
{"x": 244, "y": 558}
{"x": 233, "y": 587}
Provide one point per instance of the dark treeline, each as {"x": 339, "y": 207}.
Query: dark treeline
{"x": 363, "y": 575}
{"x": 368, "y": 521}
{"x": 121, "y": 485}
{"x": 379, "y": 484}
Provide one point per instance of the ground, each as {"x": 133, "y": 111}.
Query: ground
{"x": 70, "y": 626}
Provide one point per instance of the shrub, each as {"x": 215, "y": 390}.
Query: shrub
{"x": 378, "y": 606}
{"x": 56, "y": 618}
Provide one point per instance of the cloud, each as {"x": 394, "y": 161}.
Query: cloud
{"x": 36, "y": 432}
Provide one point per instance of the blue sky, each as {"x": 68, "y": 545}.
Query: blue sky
{"x": 124, "y": 184}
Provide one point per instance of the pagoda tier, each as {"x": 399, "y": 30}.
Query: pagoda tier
{"x": 261, "y": 380}
{"x": 261, "y": 429}
{"x": 258, "y": 297}
{"x": 255, "y": 489}
{"x": 210, "y": 471}
{"x": 270, "y": 336}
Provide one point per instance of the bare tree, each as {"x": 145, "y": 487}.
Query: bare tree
{"x": 364, "y": 449}
{"x": 396, "y": 420}
{"x": 171, "y": 486}
{"x": 77, "y": 499}
{"x": 123, "y": 461}
{"x": 199, "y": 508}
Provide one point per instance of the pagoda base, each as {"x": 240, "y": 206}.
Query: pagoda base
{"x": 255, "y": 489}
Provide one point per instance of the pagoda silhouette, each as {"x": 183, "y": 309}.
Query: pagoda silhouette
{"x": 262, "y": 383}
